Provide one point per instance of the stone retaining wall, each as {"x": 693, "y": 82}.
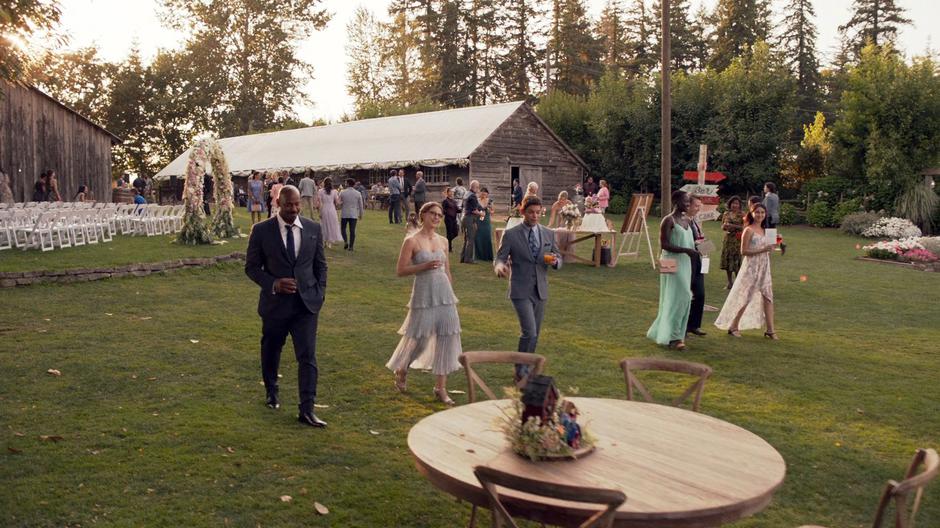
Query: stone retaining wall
{"x": 28, "y": 278}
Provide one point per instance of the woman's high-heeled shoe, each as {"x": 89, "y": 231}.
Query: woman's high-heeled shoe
{"x": 443, "y": 397}
{"x": 734, "y": 333}
{"x": 401, "y": 380}
{"x": 771, "y": 335}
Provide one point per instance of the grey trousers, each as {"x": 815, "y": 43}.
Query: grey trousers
{"x": 530, "y": 312}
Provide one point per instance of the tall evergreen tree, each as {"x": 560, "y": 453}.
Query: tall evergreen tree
{"x": 798, "y": 41}
{"x": 640, "y": 26}
{"x": 423, "y": 17}
{"x": 452, "y": 89}
{"x": 612, "y": 36}
{"x": 739, "y": 24}
{"x": 520, "y": 62}
{"x": 401, "y": 54}
{"x": 685, "y": 36}
{"x": 874, "y": 20}
{"x": 576, "y": 53}
{"x": 486, "y": 38}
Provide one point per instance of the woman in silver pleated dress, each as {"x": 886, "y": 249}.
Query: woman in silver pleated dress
{"x": 431, "y": 331}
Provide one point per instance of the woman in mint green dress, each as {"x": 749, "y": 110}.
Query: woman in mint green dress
{"x": 675, "y": 290}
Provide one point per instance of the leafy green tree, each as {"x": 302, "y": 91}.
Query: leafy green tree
{"x": 77, "y": 78}
{"x": 876, "y": 21}
{"x": 20, "y": 21}
{"x": 367, "y": 71}
{"x": 889, "y": 130}
{"x": 640, "y": 30}
{"x": 247, "y": 51}
{"x": 739, "y": 24}
{"x": 810, "y": 160}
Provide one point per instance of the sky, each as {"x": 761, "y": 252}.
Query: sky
{"x": 115, "y": 25}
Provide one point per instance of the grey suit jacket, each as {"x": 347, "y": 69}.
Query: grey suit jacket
{"x": 528, "y": 275}
{"x": 351, "y": 203}
{"x": 394, "y": 186}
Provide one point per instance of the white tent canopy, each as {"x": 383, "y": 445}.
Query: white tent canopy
{"x": 440, "y": 138}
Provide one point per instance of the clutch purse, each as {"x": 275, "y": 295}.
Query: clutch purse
{"x": 668, "y": 265}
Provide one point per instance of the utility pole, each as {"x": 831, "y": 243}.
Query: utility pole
{"x": 665, "y": 173}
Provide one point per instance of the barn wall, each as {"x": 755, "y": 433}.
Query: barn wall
{"x": 522, "y": 141}
{"x": 36, "y": 134}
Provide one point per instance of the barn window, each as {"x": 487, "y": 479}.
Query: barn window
{"x": 435, "y": 174}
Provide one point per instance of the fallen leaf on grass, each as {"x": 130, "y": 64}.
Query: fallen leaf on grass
{"x": 470, "y": 451}
{"x": 17, "y": 433}
{"x": 50, "y": 438}
{"x": 859, "y": 411}
{"x": 320, "y": 406}
{"x": 43, "y": 331}
{"x": 13, "y": 450}
{"x": 280, "y": 375}
{"x": 286, "y": 498}
{"x": 194, "y": 341}
{"x": 133, "y": 376}
{"x": 374, "y": 432}
{"x": 321, "y": 509}
{"x": 230, "y": 449}
{"x": 47, "y": 319}
{"x": 146, "y": 318}
{"x": 109, "y": 314}
{"x": 152, "y": 379}
{"x": 456, "y": 391}
{"x": 54, "y": 372}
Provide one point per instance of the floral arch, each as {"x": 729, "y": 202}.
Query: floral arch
{"x": 197, "y": 229}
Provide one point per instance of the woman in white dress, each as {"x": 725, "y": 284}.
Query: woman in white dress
{"x": 750, "y": 303}
{"x": 327, "y": 200}
{"x": 431, "y": 331}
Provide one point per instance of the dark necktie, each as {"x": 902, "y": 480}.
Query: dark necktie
{"x": 291, "y": 253}
{"x": 533, "y": 244}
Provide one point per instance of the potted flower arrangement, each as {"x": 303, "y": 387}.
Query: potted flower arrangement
{"x": 591, "y": 205}
{"x": 570, "y": 213}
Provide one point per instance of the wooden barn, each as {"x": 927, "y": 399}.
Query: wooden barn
{"x": 38, "y": 133}
{"x": 493, "y": 144}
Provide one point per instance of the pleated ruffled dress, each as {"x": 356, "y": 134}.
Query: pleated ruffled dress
{"x": 431, "y": 331}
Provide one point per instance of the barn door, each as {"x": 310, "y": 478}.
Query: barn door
{"x": 529, "y": 174}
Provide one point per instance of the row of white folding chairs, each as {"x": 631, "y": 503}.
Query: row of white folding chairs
{"x": 152, "y": 220}
{"x": 54, "y": 228}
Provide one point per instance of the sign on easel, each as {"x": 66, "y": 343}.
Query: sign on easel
{"x": 634, "y": 227}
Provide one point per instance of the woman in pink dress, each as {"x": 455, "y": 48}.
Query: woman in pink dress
{"x": 327, "y": 200}
{"x": 603, "y": 196}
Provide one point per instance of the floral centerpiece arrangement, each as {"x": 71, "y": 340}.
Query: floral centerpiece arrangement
{"x": 592, "y": 204}
{"x": 570, "y": 213}
{"x": 542, "y": 425}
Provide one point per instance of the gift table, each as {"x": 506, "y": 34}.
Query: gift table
{"x": 593, "y": 227}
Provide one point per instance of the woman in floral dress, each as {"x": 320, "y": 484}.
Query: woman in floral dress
{"x": 732, "y": 223}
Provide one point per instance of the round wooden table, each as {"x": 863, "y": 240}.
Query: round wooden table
{"x": 677, "y": 468}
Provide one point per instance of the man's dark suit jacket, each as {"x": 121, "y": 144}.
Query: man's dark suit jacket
{"x": 267, "y": 260}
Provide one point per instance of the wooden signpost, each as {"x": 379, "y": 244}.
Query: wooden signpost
{"x": 708, "y": 194}
{"x": 634, "y": 228}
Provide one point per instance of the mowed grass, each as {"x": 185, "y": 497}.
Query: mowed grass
{"x": 158, "y": 430}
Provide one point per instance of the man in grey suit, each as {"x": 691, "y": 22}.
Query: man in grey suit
{"x": 529, "y": 249}
{"x": 420, "y": 191}
{"x": 285, "y": 258}
{"x": 395, "y": 187}
{"x": 351, "y": 213}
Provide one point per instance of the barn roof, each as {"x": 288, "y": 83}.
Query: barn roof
{"x": 446, "y": 137}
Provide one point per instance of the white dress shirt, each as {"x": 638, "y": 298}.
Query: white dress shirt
{"x": 281, "y": 225}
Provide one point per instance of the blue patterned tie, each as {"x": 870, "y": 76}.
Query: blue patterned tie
{"x": 291, "y": 253}
{"x": 533, "y": 244}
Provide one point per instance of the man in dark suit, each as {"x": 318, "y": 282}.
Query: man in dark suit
{"x": 395, "y": 187}
{"x": 285, "y": 257}
{"x": 524, "y": 248}
{"x": 694, "y": 325}
{"x": 472, "y": 213}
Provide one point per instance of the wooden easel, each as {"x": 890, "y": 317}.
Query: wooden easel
{"x": 635, "y": 227}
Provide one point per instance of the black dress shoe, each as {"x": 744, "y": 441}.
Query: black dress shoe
{"x": 272, "y": 401}
{"x": 698, "y": 332}
{"x": 311, "y": 420}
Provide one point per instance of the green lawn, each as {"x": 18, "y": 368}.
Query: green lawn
{"x": 157, "y": 430}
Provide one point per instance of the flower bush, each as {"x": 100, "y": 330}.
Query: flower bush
{"x": 819, "y": 214}
{"x": 892, "y": 227}
{"x": 920, "y": 255}
{"x": 931, "y": 244}
{"x": 858, "y": 223}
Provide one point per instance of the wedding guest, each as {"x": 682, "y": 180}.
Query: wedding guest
{"x": 327, "y": 200}
{"x": 460, "y": 194}
{"x": 269, "y": 182}
{"x": 139, "y": 198}
{"x": 362, "y": 192}
{"x": 6, "y": 194}
{"x": 80, "y": 196}
{"x": 308, "y": 195}
{"x": 771, "y": 202}
{"x": 732, "y": 223}
{"x": 450, "y": 218}
{"x": 52, "y": 182}
{"x": 555, "y": 219}
{"x": 472, "y": 212}
{"x": 603, "y": 196}
{"x": 40, "y": 192}
{"x": 420, "y": 190}
{"x": 255, "y": 197}
{"x": 483, "y": 245}
{"x": 431, "y": 331}
{"x": 675, "y": 296}
{"x": 395, "y": 186}
{"x": 750, "y": 303}
{"x": 697, "y": 310}
{"x": 516, "y": 194}
{"x": 752, "y": 201}
{"x": 208, "y": 186}
{"x": 531, "y": 190}
{"x": 406, "y": 192}
{"x": 275, "y": 193}
{"x": 589, "y": 186}
{"x": 352, "y": 208}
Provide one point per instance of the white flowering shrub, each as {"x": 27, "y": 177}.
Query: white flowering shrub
{"x": 892, "y": 227}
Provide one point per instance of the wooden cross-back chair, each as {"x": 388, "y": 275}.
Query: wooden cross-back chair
{"x": 906, "y": 494}
{"x": 490, "y": 478}
{"x": 631, "y": 365}
{"x": 536, "y": 363}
